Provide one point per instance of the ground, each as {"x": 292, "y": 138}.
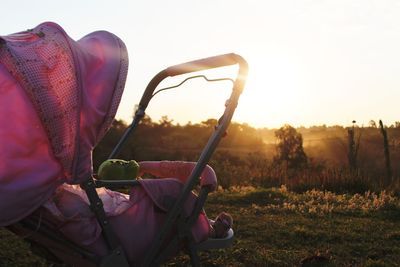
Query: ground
{"x": 274, "y": 227}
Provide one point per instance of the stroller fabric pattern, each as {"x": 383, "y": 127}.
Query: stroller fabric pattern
{"x": 58, "y": 99}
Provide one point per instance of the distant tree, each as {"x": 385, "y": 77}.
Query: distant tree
{"x": 290, "y": 147}
{"x": 210, "y": 123}
{"x": 165, "y": 121}
{"x": 372, "y": 124}
{"x": 146, "y": 120}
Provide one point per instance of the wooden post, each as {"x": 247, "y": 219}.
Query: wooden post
{"x": 387, "y": 154}
{"x": 352, "y": 149}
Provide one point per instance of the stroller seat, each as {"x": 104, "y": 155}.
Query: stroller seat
{"x": 62, "y": 96}
{"x": 134, "y": 218}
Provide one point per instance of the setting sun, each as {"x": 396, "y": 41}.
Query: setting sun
{"x": 275, "y": 91}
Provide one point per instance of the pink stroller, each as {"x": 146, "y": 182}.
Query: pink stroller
{"x": 59, "y": 97}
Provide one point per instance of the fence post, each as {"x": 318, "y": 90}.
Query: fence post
{"x": 352, "y": 152}
{"x": 387, "y": 154}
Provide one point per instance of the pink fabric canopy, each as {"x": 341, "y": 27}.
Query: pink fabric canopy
{"x": 58, "y": 98}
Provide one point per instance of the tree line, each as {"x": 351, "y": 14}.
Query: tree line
{"x": 335, "y": 158}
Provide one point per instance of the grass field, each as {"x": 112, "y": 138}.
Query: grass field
{"x": 275, "y": 227}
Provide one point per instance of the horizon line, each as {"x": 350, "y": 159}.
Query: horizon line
{"x": 395, "y": 124}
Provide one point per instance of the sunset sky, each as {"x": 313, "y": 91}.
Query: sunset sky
{"x": 311, "y": 62}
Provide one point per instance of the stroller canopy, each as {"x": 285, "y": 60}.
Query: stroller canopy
{"x": 58, "y": 98}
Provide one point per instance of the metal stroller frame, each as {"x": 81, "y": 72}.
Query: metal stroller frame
{"x": 39, "y": 231}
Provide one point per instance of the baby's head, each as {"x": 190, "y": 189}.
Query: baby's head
{"x": 222, "y": 224}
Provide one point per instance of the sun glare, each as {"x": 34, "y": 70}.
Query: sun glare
{"x": 273, "y": 93}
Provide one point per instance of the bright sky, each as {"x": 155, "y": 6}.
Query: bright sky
{"x": 311, "y": 62}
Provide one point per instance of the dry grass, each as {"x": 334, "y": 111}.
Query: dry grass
{"x": 277, "y": 227}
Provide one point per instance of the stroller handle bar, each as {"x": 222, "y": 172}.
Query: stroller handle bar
{"x": 206, "y": 63}
{"x": 188, "y": 67}
{"x": 193, "y": 66}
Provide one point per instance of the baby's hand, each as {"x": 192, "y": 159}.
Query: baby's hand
{"x": 118, "y": 169}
